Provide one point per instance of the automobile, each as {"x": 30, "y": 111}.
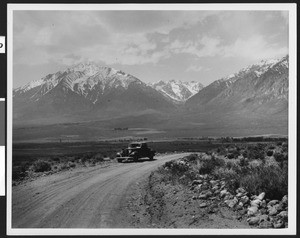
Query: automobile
{"x": 135, "y": 151}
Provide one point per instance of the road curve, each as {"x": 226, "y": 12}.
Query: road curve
{"x": 82, "y": 198}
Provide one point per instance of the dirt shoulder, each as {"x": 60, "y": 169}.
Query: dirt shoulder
{"x": 151, "y": 203}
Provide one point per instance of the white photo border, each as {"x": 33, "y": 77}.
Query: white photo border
{"x": 292, "y": 114}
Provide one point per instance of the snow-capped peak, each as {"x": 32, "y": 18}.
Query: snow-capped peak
{"x": 30, "y": 85}
{"x": 259, "y": 68}
{"x": 264, "y": 65}
{"x": 177, "y": 90}
{"x": 50, "y": 79}
{"x": 85, "y": 79}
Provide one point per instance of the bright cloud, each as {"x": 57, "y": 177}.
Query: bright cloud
{"x": 167, "y": 42}
{"x": 44, "y": 37}
{"x": 201, "y": 48}
{"x": 196, "y": 68}
{"x": 254, "y": 48}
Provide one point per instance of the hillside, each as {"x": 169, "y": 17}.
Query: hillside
{"x": 262, "y": 87}
{"x": 85, "y": 92}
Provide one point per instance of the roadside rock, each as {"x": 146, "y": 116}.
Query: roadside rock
{"x": 196, "y": 182}
{"x": 261, "y": 196}
{"x": 259, "y": 210}
{"x": 240, "y": 190}
{"x": 273, "y": 211}
{"x": 266, "y": 224}
{"x": 263, "y": 204}
{"x": 203, "y": 196}
{"x": 208, "y": 193}
{"x": 279, "y": 224}
{"x": 239, "y": 195}
{"x": 279, "y": 207}
{"x": 285, "y": 200}
{"x": 252, "y": 211}
{"x": 205, "y": 186}
{"x": 223, "y": 193}
{"x": 253, "y": 220}
{"x": 243, "y": 212}
{"x": 203, "y": 176}
{"x": 255, "y": 203}
{"x": 283, "y": 215}
{"x": 272, "y": 202}
{"x": 244, "y": 199}
{"x": 263, "y": 218}
{"x": 239, "y": 207}
{"x": 231, "y": 203}
{"x": 213, "y": 182}
{"x": 263, "y": 211}
{"x": 216, "y": 187}
{"x": 228, "y": 196}
{"x": 197, "y": 187}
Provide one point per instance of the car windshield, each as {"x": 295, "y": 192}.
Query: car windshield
{"x": 134, "y": 145}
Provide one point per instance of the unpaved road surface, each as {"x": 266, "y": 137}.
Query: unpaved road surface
{"x": 82, "y": 198}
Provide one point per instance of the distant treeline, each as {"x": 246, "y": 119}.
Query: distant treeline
{"x": 255, "y": 139}
{"x": 237, "y": 139}
{"x": 121, "y": 129}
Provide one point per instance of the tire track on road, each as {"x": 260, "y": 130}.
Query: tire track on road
{"x": 84, "y": 200}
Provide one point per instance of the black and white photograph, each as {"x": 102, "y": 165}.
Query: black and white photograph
{"x": 151, "y": 119}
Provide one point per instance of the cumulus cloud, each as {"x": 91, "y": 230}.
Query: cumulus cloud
{"x": 254, "y": 48}
{"x": 204, "y": 47}
{"x": 195, "y": 68}
{"x": 175, "y": 39}
{"x": 150, "y": 21}
{"x": 127, "y": 33}
{"x": 43, "y": 37}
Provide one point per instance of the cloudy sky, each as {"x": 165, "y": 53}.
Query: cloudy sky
{"x": 151, "y": 45}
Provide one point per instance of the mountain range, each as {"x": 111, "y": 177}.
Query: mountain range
{"x": 259, "y": 87}
{"x": 85, "y": 91}
{"x": 256, "y": 95}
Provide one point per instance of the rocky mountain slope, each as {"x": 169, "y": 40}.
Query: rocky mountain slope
{"x": 261, "y": 87}
{"x": 176, "y": 90}
{"x": 86, "y": 91}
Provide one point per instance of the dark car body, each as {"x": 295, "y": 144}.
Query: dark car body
{"x": 135, "y": 151}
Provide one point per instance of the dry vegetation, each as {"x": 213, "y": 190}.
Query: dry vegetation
{"x": 45, "y": 166}
{"x": 242, "y": 177}
{"x": 31, "y": 160}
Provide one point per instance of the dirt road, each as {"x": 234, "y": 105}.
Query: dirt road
{"x": 82, "y": 198}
